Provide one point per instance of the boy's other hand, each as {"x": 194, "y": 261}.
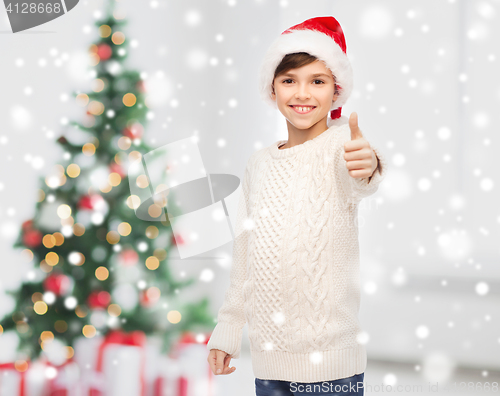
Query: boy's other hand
{"x": 359, "y": 156}
{"x": 219, "y": 362}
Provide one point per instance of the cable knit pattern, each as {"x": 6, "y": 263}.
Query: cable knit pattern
{"x": 295, "y": 272}
{"x": 269, "y": 229}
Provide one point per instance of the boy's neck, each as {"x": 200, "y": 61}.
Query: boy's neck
{"x": 299, "y": 136}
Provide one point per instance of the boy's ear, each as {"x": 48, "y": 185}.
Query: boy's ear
{"x": 335, "y": 95}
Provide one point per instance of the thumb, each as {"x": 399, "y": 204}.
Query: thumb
{"x": 353, "y": 125}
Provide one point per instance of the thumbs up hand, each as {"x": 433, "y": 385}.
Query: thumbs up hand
{"x": 360, "y": 158}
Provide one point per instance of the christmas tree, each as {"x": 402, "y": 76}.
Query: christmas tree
{"x": 97, "y": 265}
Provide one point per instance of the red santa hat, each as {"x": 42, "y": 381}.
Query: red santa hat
{"x": 321, "y": 37}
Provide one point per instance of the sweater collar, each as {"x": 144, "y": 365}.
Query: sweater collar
{"x": 317, "y": 141}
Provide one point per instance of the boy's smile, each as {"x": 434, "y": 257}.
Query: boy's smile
{"x": 304, "y": 95}
{"x": 302, "y": 109}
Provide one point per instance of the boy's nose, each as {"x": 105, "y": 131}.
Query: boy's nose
{"x": 302, "y": 93}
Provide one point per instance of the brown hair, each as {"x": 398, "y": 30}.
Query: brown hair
{"x": 294, "y": 61}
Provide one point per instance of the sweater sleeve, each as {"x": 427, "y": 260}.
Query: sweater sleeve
{"x": 358, "y": 188}
{"x": 231, "y": 318}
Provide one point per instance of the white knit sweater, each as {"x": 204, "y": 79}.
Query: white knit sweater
{"x": 295, "y": 272}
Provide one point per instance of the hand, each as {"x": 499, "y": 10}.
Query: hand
{"x": 219, "y": 360}
{"x": 360, "y": 158}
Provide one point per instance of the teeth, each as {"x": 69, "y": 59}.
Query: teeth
{"x": 303, "y": 109}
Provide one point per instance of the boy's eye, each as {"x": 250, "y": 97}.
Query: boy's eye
{"x": 289, "y": 79}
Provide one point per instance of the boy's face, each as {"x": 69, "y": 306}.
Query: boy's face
{"x": 311, "y": 86}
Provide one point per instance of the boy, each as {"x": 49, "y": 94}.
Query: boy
{"x": 295, "y": 273}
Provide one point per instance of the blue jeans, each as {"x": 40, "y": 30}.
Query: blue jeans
{"x": 351, "y": 386}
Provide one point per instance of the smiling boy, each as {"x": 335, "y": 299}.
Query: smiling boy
{"x": 295, "y": 273}
{"x": 304, "y": 96}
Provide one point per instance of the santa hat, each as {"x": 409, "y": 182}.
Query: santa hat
{"x": 321, "y": 37}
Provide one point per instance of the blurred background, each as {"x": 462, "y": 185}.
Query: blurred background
{"x": 425, "y": 89}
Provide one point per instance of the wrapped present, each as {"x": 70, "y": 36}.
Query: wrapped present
{"x": 167, "y": 379}
{"x": 62, "y": 379}
{"x": 155, "y": 368}
{"x": 12, "y": 381}
{"x": 86, "y": 356}
{"x": 12, "y": 369}
{"x": 195, "y": 376}
{"x": 122, "y": 355}
{"x": 61, "y": 375}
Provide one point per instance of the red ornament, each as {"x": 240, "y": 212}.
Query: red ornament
{"x": 146, "y": 300}
{"x": 59, "y": 284}
{"x": 98, "y": 299}
{"x": 141, "y": 86}
{"x": 129, "y": 257}
{"x": 187, "y": 338}
{"x": 27, "y": 225}
{"x": 104, "y": 51}
{"x": 89, "y": 201}
{"x": 32, "y": 238}
{"x": 177, "y": 239}
{"x": 85, "y": 202}
{"x": 134, "y": 131}
{"x": 114, "y": 167}
{"x": 143, "y": 297}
